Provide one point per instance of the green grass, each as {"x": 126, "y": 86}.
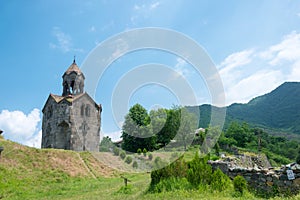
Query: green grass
{"x": 28, "y": 173}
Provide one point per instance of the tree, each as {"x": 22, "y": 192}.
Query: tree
{"x": 240, "y": 133}
{"x": 298, "y": 157}
{"x": 212, "y": 134}
{"x": 188, "y": 125}
{"x": 137, "y": 131}
{"x": 170, "y": 128}
{"x": 240, "y": 184}
{"x": 106, "y": 144}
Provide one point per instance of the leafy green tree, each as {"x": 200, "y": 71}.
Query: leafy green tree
{"x": 170, "y": 128}
{"x": 106, "y": 144}
{"x": 220, "y": 181}
{"x": 188, "y": 125}
{"x": 128, "y": 159}
{"x": 116, "y": 151}
{"x": 240, "y": 133}
{"x": 217, "y": 148}
{"x": 139, "y": 151}
{"x": 158, "y": 119}
{"x": 298, "y": 157}
{"x": 199, "y": 172}
{"x": 211, "y": 136}
{"x": 240, "y": 184}
{"x": 123, "y": 155}
{"x": 135, "y": 164}
{"x": 145, "y": 152}
{"x": 137, "y": 131}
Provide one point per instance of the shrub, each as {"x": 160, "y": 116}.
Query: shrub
{"x": 199, "y": 171}
{"x": 116, "y": 151}
{"x": 176, "y": 169}
{"x": 145, "y": 152}
{"x": 106, "y": 144}
{"x": 122, "y": 155}
{"x": 171, "y": 184}
{"x": 219, "y": 181}
{"x": 150, "y": 156}
{"x": 240, "y": 184}
{"x": 135, "y": 164}
{"x": 214, "y": 157}
{"x": 139, "y": 151}
{"x": 128, "y": 159}
{"x": 159, "y": 163}
{"x": 298, "y": 158}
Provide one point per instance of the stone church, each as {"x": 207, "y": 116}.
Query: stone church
{"x": 71, "y": 120}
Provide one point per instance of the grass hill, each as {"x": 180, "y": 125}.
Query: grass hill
{"x": 278, "y": 111}
{"x": 29, "y": 173}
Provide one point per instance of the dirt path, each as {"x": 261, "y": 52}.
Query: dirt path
{"x": 86, "y": 167}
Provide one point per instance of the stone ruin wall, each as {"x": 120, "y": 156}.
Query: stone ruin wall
{"x": 263, "y": 181}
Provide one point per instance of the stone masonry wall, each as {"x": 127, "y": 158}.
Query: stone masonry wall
{"x": 264, "y": 181}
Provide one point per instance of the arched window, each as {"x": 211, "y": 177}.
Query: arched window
{"x": 87, "y": 110}
{"x": 82, "y": 110}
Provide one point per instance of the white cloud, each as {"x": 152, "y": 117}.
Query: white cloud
{"x": 18, "y": 126}
{"x": 143, "y": 11}
{"x": 250, "y": 73}
{"x": 35, "y": 140}
{"x": 120, "y": 48}
{"x": 237, "y": 59}
{"x": 298, "y": 14}
{"x": 115, "y": 136}
{"x": 181, "y": 67}
{"x": 254, "y": 85}
{"x": 154, "y": 5}
{"x": 64, "y": 41}
{"x": 287, "y": 50}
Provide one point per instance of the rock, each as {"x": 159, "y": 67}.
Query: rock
{"x": 269, "y": 183}
{"x": 269, "y": 178}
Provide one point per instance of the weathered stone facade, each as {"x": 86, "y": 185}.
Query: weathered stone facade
{"x": 71, "y": 121}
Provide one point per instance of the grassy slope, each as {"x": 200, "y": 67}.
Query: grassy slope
{"x": 29, "y": 173}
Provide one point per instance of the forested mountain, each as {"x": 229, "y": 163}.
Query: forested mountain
{"x": 278, "y": 110}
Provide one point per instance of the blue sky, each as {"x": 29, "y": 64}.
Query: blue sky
{"x": 254, "y": 44}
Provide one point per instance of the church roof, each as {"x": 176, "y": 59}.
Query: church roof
{"x": 73, "y": 68}
{"x": 70, "y": 99}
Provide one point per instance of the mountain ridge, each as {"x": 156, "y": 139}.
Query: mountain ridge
{"x": 277, "y": 110}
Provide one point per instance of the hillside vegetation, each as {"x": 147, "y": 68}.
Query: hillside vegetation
{"x": 277, "y": 112}
{"x": 29, "y": 173}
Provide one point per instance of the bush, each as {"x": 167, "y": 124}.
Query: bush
{"x": 122, "y": 155}
{"x": 176, "y": 169}
{"x": 150, "y": 156}
{"x": 116, "y": 151}
{"x": 214, "y": 157}
{"x": 199, "y": 171}
{"x": 157, "y": 159}
{"x": 106, "y": 144}
{"x": 219, "y": 181}
{"x": 170, "y": 184}
{"x": 240, "y": 184}
{"x": 145, "y": 152}
{"x": 159, "y": 163}
{"x": 135, "y": 164}
{"x": 298, "y": 157}
{"x": 128, "y": 159}
{"x": 139, "y": 151}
